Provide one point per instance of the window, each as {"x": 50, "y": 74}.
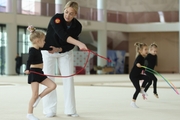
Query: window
{"x": 2, "y": 49}
{"x": 23, "y": 44}
{"x": 28, "y": 6}
{"x": 3, "y": 4}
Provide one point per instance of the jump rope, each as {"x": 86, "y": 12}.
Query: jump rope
{"x": 158, "y": 74}
{"x": 90, "y": 51}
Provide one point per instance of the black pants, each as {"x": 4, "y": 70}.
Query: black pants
{"x": 135, "y": 81}
{"x": 18, "y": 69}
{"x": 153, "y": 78}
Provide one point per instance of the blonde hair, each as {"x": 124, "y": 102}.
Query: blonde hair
{"x": 153, "y": 45}
{"x": 35, "y": 33}
{"x": 72, "y": 4}
{"x": 139, "y": 46}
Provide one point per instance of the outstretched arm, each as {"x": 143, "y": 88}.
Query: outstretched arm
{"x": 73, "y": 41}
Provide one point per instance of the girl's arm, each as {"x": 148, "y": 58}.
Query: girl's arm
{"x": 138, "y": 65}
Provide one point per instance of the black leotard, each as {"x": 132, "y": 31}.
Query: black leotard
{"x": 35, "y": 57}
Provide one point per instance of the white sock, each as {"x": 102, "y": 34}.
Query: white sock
{"x": 31, "y": 117}
{"x": 29, "y": 114}
{"x": 133, "y": 104}
{"x": 37, "y": 101}
{"x": 143, "y": 92}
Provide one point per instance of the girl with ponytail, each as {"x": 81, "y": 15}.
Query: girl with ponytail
{"x": 151, "y": 63}
{"x": 35, "y": 63}
{"x": 135, "y": 74}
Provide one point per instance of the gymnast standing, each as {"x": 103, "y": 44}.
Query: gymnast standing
{"x": 135, "y": 74}
{"x": 151, "y": 63}
{"x": 35, "y": 63}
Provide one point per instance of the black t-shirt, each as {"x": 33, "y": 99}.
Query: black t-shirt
{"x": 58, "y": 32}
{"x": 136, "y": 71}
{"x": 151, "y": 61}
{"x": 35, "y": 57}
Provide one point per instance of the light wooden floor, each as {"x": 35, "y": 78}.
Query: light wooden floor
{"x": 98, "y": 97}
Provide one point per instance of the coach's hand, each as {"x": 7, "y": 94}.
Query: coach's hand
{"x": 54, "y": 49}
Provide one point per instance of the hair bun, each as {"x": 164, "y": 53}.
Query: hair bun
{"x": 153, "y": 44}
{"x": 31, "y": 28}
{"x": 136, "y": 44}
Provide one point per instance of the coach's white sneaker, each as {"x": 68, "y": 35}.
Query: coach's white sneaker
{"x": 50, "y": 115}
{"x": 73, "y": 115}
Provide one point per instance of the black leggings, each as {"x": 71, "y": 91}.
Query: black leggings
{"x": 135, "y": 82}
{"x": 153, "y": 78}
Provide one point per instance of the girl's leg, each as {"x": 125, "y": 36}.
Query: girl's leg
{"x": 50, "y": 86}
{"x": 148, "y": 85}
{"x": 137, "y": 87}
{"x": 144, "y": 84}
{"x": 155, "y": 87}
{"x": 151, "y": 77}
{"x": 35, "y": 90}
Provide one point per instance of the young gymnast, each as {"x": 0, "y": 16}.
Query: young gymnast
{"x": 135, "y": 74}
{"x": 151, "y": 63}
{"x": 35, "y": 63}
